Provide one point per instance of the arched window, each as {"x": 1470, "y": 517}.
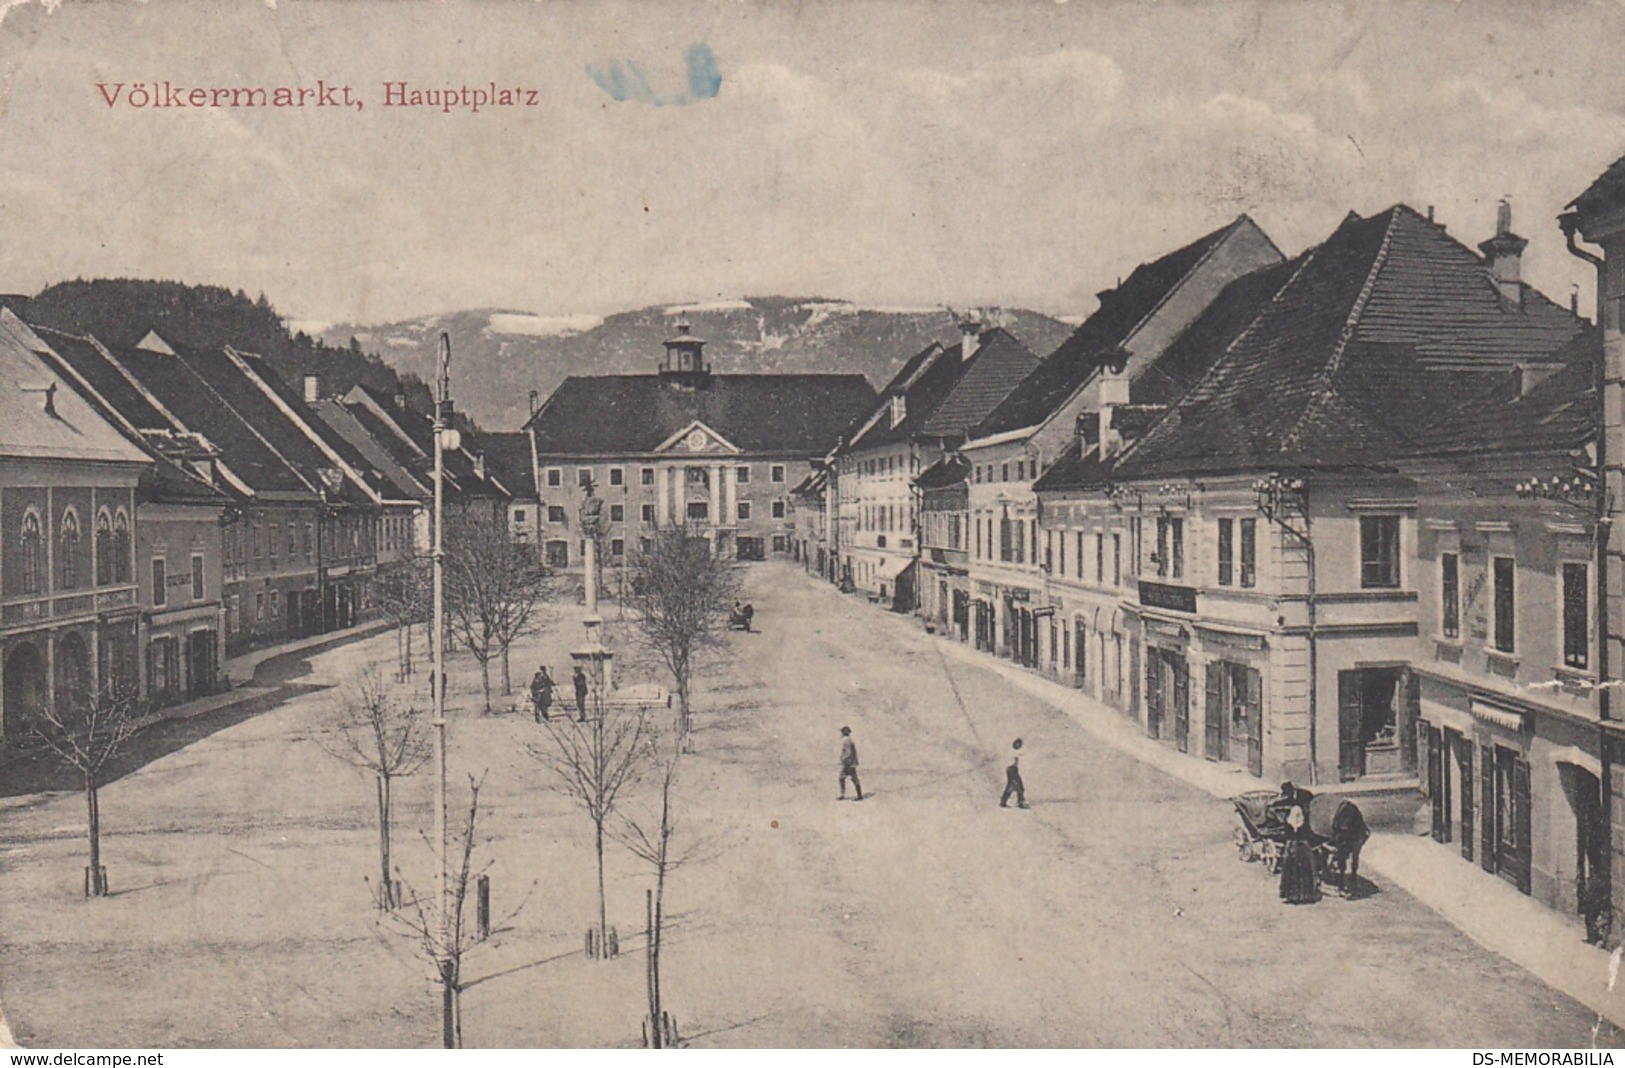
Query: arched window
{"x": 70, "y": 549}
{"x": 33, "y": 554}
{"x": 104, "y": 548}
{"x": 121, "y": 547}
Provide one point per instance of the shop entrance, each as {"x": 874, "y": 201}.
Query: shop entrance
{"x": 1373, "y": 713}
{"x": 1167, "y": 696}
{"x": 1234, "y": 723}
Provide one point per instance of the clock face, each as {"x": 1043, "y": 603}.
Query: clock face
{"x": 696, "y": 440}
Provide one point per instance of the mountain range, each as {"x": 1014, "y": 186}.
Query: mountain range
{"x": 499, "y": 356}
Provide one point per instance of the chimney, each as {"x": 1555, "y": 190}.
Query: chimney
{"x": 313, "y": 389}
{"x": 400, "y": 402}
{"x": 970, "y": 338}
{"x": 1503, "y": 256}
{"x": 535, "y": 402}
{"x": 1574, "y": 300}
{"x": 1113, "y": 395}
{"x": 479, "y": 466}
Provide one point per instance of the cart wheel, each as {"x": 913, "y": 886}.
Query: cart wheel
{"x": 1244, "y": 846}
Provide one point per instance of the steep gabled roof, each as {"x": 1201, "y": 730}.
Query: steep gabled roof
{"x": 373, "y": 451}
{"x": 508, "y": 456}
{"x": 998, "y": 366}
{"x": 1102, "y": 336}
{"x": 82, "y": 354}
{"x": 43, "y": 417}
{"x": 946, "y": 473}
{"x": 1606, "y": 192}
{"x": 617, "y": 415}
{"x": 1387, "y": 321}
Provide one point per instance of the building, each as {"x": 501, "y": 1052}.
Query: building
{"x": 1116, "y": 349}
{"x": 1268, "y": 579}
{"x": 1597, "y": 216}
{"x": 924, "y": 412}
{"x": 1508, "y": 741}
{"x": 69, "y": 614}
{"x": 718, "y": 454}
{"x": 808, "y": 509}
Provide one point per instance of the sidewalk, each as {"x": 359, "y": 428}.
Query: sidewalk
{"x": 1484, "y": 908}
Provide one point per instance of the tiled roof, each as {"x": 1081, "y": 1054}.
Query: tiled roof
{"x": 195, "y": 403}
{"x": 507, "y": 456}
{"x": 84, "y": 357}
{"x": 1190, "y": 355}
{"x": 1606, "y": 192}
{"x": 945, "y": 473}
{"x": 617, "y": 415}
{"x": 923, "y": 383}
{"x": 1101, "y": 336}
{"x": 1390, "y": 318}
{"x": 73, "y": 431}
{"x": 1077, "y": 468}
{"x": 343, "y": 422}
{"x": 997, "y": 366}
{"x": 1558, "y": 414}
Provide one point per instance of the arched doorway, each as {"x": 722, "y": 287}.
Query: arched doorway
{"x": 73, "y": 678}
{"x": 24, "y": 692}
{"x": 1583, "y": 790}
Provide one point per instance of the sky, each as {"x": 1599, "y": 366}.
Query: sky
{"x": 1021, "y": 153}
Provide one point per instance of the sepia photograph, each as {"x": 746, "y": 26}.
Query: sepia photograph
{"x": 873, "y": 524}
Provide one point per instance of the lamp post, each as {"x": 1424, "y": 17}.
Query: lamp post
{"x": 445, "y": 437}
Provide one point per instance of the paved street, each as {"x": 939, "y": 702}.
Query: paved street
{"x": 1113, "y": 913}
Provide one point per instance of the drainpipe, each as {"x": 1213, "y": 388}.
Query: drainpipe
{"x": 1570, "y": 225}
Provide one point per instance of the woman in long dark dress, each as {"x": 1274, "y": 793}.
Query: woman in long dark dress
{"x": 1298, "y": 861}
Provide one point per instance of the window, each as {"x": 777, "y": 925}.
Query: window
{"x": 1021, "y": 470}
{"x": 160, "y": 589}
{"x": 1227, "y": 551}
{"x": 1576, "y": 616}
{"x": 742, "y": 475}
{"x": 1450, "y": 595}
{"x": 1505, "y": 606}
{"x": 699, "y": 510}
{"x": 1004, "y": 473}
{"x": 271, "y": 543}
{"x": 617, "y": 547}
{"x": 310, "y": 541}
{"x": 121, "y": 547}
{"x": 617, "y": 476}
{"x": 1379, "y": 551}
{"x": 583, "y": 477}
{"x": 1117, "y": 559}
{"x": 617, "y": 513}
{"x": 555, "y": 477}
{"x": 1249, "y": 553}
{"x": 70, "y": 549}
{"x": 648, "y": 513}
{"x": 293, "y": 540}
{"x": 647, "y": 476}
{"x": 744, "y": 509}
{"x": 778, "y": 510}
{"x": 33, "y": 554}
{"x": 1007, "y": 552}
{"x": 104, "y": 549}
{"x": 518, "y": 515}
{"x": 1061, "y": 563}
{"x": 1170, "y": 547}
{"x": 259, "y": 608}
{"x": 777, "y": 474}
{"x": 1100, "y": 558}
{"x": 555, "y": 513}
{"x": 1136, "y": 544}
{"x": 779, "y": 544}
{"x": 976, "y": 474}
{"x": 197, "y": 576}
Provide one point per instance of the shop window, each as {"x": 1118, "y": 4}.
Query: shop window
{"x": 1450, "y": 595}
{"x": 1379, "y": 551}
{"x": 1576, "y": 616}
{"x": 1505, "y": 573}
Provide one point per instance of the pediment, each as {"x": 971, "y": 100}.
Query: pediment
{"x": 697, "y": 439}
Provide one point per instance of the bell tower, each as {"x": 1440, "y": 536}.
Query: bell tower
{"x": 685, "y": 365}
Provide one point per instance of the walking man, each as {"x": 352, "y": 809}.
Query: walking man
{"x": 1012, "y": 779}
{"x": 849, "y": 764}
{"x": 580, "y": 681}
{"x": 541, "y": 693}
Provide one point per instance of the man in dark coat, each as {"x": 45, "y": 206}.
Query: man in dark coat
{"x": 1012, "y": 779}
{"x": 849, "y": 764}
{"x": 580, "y": 681}
{"x": 541, "y": 693}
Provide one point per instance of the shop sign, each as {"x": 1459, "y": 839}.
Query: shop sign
{"x": 1172, "y": 598}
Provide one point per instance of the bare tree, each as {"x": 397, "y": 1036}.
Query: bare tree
{"x": 85, "y": 729}
{"x": 682, "y": 594}
{"x": 494, "y": 592}
{"x": 651, "y": 840}
{"x": 378, "y": 733}
{"x": 446, "y": 940}
{"x": 593, "y": 761}
{"x": 402, "y": 595}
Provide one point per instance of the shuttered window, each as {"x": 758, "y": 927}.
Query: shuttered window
{"x": 1576, "y": 616}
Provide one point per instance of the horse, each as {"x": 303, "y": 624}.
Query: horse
{"x": 1348, "y": 836}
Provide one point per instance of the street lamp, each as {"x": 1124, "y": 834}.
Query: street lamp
{"x": 445, "y": 437}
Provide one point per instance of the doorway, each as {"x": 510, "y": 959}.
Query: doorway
{"x": 24, "y": 693}
{"x": 1373, "y": 711}
{"x": 1234, "y": 723}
